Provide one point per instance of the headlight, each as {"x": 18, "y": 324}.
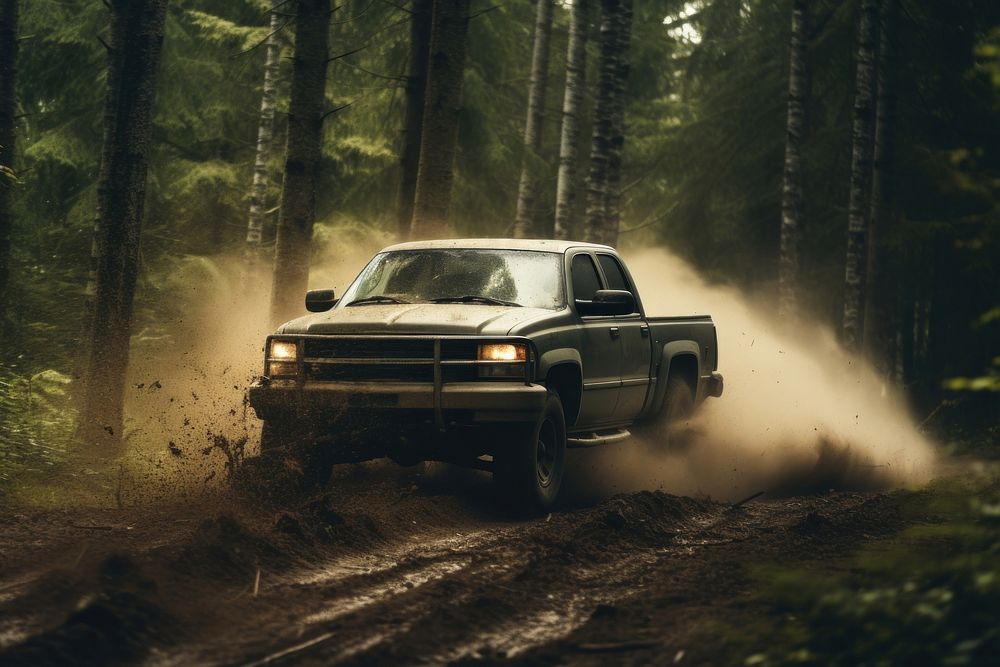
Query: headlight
{"x": 283, "y": 350}
{"x": 516, "y": 355}
{"x": 502, "y": 352}
{"x": 282, "y": 357}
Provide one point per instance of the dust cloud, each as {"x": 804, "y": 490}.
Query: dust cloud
{"x": 798, "y": 413}
{"x": 188, "y": 422}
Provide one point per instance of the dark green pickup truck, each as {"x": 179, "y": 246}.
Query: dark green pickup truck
{"x": 491, "y": 353}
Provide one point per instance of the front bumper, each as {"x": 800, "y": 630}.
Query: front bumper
{"x": 483, "y": 401}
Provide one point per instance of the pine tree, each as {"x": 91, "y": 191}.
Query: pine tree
{"x": 302, "y": 159}
{"x": 134, "y": 49}
{"x": 265, "y": 132}
{"x": 613, "y": 194}
{"x": 861, "y": 174}
{"x": 526, "y": 223}
{"x": 8, "y": 101}
{"x": 791, "y": 191}
{"x": 879, "y": 334}
{"x": 432, "y": 200}
{"x": 603, "y": 183}
{"x": 567, "y": 186}
{"x": 416, "y": 86}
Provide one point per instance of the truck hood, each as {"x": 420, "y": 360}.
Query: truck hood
{"x": 416, "y": 318}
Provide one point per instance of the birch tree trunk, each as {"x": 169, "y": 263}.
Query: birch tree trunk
{"x": 576, "y": 81}
{"x": 302, "y": 159}
{"x": 136, "y": 38}
{"x": 8, "y": 77}
{"x": 861, "y": 172}
{"x": 791, "y": 191}
{"x": 614, "y": 193}
{"x": 878, "y": 328}
{"x": 600, "y": 147}
{"x": 449, "y": 32}
{"x": 526, "y": 222}
{"x": 265, "y": 132}
{"x": 416, "y": 85}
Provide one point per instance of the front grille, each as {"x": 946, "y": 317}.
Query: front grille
{"x": 396, "y": 348}
{"x": 387, "y": 372}
{"x": 333, "y": 359}
{"x": 372, "y": 348}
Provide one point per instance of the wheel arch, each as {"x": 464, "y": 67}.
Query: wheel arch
{"x": 562, "y": 373}
{"x": 677, "y": 357}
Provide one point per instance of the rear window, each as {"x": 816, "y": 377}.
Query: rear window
{"x": 585, "y": 279}
{"x": 614, "y": 273}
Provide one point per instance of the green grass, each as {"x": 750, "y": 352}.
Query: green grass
{"x": 927, "y": 596}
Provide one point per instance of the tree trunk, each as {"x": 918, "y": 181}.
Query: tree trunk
{"x": 576, "y": 82}
{"x": 8, "y": 76}
{"x": 597, "y": 219}
{"x": 302, "y": 159}
{"x": 791, "y": 191}
{"x": 135, "y": 44}
{"x": 878, "y": 306}
{"x": 450, "y": 24}
{"x": 416, "y": 85}
{"x": 861, "y": 171}
{"x": 614, "y": 192}
{"x": 526, "y": 222}
{"x": 265, "y": 132}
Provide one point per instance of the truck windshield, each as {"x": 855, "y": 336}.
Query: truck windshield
{"x": 463, "y": 276}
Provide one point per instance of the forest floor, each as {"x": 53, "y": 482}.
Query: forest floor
{"x": 387, "y": 566}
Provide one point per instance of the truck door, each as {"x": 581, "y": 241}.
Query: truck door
{"x": 635, "y": 343}
{"x": 600, "y": 349}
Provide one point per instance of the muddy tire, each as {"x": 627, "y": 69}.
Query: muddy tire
{"x": 668, "y": 431}
{"x": 290, "y": 458}
{"x": 529, "y": 461}
{"x": 678, "y": 404}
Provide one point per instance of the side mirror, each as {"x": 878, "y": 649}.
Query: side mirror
{"x": 320, "y": 300}
{"x": 608, "y": 302}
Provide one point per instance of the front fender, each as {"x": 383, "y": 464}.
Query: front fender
{"x": 558, "y": 356}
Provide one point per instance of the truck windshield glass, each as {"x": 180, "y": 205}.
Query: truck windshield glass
{"x": 463, "y": 276}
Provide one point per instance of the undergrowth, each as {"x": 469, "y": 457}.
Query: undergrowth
{"x": 929, "y": 596}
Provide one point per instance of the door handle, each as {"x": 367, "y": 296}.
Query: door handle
{"x": 644, "y": 330}
{"x": 615, "y": 332}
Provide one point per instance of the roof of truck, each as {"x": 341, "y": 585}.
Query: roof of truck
{"x": 542, "y": 245}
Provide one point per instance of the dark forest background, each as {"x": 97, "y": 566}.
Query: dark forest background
{"x": 706, "y": 100}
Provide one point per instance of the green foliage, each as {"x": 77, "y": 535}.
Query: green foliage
{"x": 36, "y": 421}
{"x": 702, "y": 163}
{"x": 931, "y": 596}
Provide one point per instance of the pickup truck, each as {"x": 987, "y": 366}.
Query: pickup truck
{"x": 492, "y": 353}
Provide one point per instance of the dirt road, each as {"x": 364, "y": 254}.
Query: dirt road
{"x": 392, "y": 568}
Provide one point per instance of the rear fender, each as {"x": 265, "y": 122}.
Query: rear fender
{"x": 670, "y": 351}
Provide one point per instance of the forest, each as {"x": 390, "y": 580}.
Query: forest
{"x": 174, "y": 174}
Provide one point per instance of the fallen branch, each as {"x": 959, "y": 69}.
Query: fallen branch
{"x": 736, "y": 506}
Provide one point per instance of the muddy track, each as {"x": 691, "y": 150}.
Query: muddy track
{"x": 384, "y": 568}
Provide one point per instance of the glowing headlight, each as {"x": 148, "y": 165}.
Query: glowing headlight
{"x": 283, "y": 350}
{"x": 502, "y": 352}
{"x": 281, "y": 357}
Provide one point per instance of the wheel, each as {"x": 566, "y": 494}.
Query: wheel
{"x": 668, "y": 431}
{"x": 529, "y": 461}
{"x": 678, "y": 404}
{"x": 290, "y": 448}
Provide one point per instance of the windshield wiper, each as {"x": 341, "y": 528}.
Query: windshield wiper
{"x": 474, "y": 298}
{"x": 378, "y": 298}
